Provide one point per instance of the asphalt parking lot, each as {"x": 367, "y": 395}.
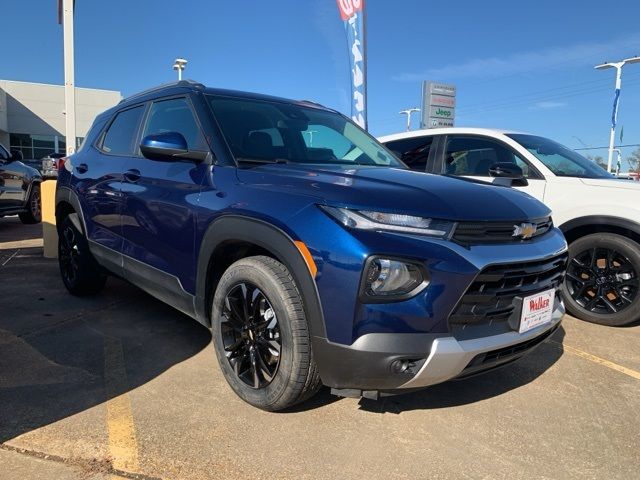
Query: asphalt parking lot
{"x": 123, "y": 386}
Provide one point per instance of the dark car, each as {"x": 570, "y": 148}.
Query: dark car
{"x": 313, "y": 262}
{"x": 19, "y": 188}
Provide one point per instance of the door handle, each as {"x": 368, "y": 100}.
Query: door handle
{"x": 132, "y": 175}
{"x": 82, "y": 168}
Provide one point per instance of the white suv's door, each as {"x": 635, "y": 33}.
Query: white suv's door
{"x": 472, "y": 155}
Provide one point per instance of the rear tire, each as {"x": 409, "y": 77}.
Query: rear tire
{"x": 261, "y": 336}
{"x": 34, "y": 207}
{"x": 79, "y": 270}
{"x": 602, "y": 283}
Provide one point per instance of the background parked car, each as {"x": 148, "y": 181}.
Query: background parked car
{"x": 19, "y": 188}
{"x": 599, "y": 214}
{"x": 50, "y": 165}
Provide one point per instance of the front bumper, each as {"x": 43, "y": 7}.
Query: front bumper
{"x": 394, "y": 362}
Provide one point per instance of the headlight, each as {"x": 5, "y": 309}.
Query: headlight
{"x": 385, "y": 279}
{"x": 391, "y": 222}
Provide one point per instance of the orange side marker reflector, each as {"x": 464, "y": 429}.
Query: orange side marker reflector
{"x": 306, "y": 254}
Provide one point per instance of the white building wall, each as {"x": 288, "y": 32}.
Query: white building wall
{"x": 4, "y": 135}
{"x": 38, "y": 109}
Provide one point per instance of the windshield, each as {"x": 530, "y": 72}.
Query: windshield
{"x": 259, "y": 131}
{"x": 561, "y": 160}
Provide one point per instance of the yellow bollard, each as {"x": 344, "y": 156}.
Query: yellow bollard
{"x": 49, "y": 232}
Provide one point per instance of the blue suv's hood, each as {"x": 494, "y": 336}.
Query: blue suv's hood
{"x": 397, "y": 190}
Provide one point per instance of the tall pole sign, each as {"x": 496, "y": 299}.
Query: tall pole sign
{"x": 438, "y": 105}
{"x": 65, "y": 17}
{"x": 353, "y": 14}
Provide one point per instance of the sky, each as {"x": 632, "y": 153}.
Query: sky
{"x": 525, "y": 66}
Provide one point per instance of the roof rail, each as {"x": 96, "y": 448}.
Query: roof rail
{"x": 311, "y": 102}
{"x": 181, "y": 83}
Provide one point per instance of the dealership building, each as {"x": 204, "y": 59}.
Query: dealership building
{"x": 32, "y": 115}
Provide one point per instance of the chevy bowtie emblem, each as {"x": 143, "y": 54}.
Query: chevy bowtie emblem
{"x": 524, "y": 230}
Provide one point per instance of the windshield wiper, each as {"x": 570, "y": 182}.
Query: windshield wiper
{"x": 260, "y": 160}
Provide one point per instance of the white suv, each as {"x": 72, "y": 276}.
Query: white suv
{"x": 598, "y": 213}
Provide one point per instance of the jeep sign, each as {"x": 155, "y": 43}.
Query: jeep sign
{"x": 438, "y": 105}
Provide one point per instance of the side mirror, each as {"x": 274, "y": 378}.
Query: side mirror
{"x": 164, "y": 146}
{"x": 17, "y": 155}
{"x": 508, "y": 174}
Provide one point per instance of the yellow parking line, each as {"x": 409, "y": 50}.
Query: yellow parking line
{"x": 123, "y": 446}
{"x": 601, "y": 361}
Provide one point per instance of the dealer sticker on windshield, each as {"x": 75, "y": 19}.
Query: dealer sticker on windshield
{"x": 536, "y": 310}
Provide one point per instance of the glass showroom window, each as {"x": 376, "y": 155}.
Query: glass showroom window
{"x": 38, "y": 146}
{"x": 22, "y": 142}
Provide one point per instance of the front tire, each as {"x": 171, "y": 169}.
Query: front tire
{"x": 261, "y": 336}
{"x": 80, "y": 273}
{"x": 602, "y": 282}
{"x": 34, "y": 207}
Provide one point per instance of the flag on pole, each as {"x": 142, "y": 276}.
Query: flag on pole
{"x": 621, "y": 133}
{"x": 614, "y": 115}
{"x": 352, "y": 13}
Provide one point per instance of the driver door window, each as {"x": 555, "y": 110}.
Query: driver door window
{"x": 473, "y": 157}
{"x": 175, "y": 115}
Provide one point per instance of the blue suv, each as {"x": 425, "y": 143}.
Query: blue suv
{"x": 311, "y": 252}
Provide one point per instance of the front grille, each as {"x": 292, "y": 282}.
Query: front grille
{"x": 478, "y": 233}
{"x": 491, "y": 303}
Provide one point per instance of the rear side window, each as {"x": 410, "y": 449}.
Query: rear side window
{"x": 175, "y": 115}
{"x": 118, "y": 140}
{"x": 412, "y": 151}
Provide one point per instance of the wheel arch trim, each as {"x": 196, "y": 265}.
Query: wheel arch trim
{"x": 601, "y": 220}
{"x": 270, "y": 238}
{"x": 65, "y": 194}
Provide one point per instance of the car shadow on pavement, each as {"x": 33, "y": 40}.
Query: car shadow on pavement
{"x": 11, "y": 229}
{"x": 480, "y": 387}
{"x": 61, "y": 355}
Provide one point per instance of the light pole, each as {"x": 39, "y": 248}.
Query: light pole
{"x": 180, "y": 64}
{"x": 614, "y": 116}
{"x": 65, "y": 18}
{"x": 408, "y": 113}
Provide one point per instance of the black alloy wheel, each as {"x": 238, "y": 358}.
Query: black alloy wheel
{"x": 251, "y": 335}
{"x": 33, "y": 213}
{"x": 35, "y": 205}
{"x": 602, "y": 283}
{"x": 80, "y": 273}
{"x": 260, "y": 334}
{"x": 602, "y": 280}
{"x": 68, "y": 253}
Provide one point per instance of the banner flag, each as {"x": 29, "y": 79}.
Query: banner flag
{"x": 352, "y": 13}
{"x": 614, "y": 115}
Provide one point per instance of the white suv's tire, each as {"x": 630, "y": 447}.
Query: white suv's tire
{"x": 602, "y": 282}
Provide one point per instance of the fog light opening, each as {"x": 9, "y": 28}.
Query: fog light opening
{"x": 406, "y": 366}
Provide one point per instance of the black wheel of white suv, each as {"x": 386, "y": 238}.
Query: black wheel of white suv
{"x": 79, "y": 270}
{"x": 261, "y": 336}
{"x": 602, "y": 283}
